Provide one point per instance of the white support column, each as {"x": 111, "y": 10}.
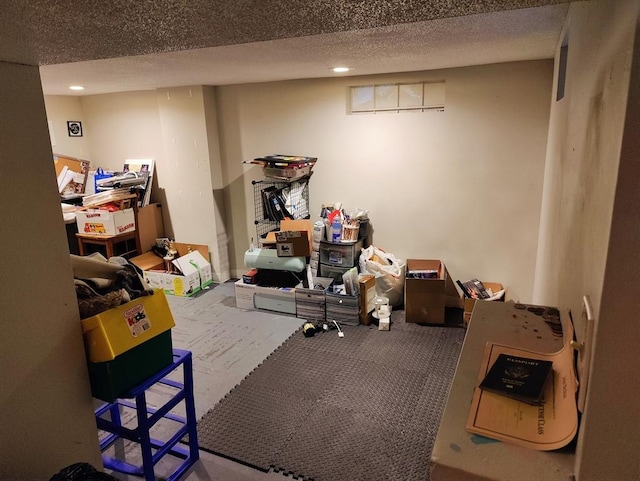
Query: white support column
{"x": 46, "y": 408}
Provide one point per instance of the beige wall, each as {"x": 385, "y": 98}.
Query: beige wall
{"x": 34, "y": 366}
{"x": 186, "y": 176}
{"x": 46, "y": 408}
{"x": 463, "y": 185}
{"x": 169, "y": 126}
{"x": 61, "y": 109}
{"x": 119, "y": 127}
{"x": 590, "y": 234}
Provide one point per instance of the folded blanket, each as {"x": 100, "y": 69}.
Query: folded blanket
{"x": 102, "y": 283}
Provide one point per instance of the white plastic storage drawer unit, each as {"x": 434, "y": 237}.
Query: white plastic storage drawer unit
{"x": 332, "y": 271}
{"x": 344, "y": 254}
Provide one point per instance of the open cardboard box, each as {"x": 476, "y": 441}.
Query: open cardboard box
{"x": 289, "y": 225}
{"x": 195, "y": 267}
{"x": 98, "y": 221}
{"x": 425, "y": 299}
{"x": 469, "y": 303}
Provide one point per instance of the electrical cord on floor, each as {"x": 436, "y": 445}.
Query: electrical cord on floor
{"x": 340, "y": 333}
{"x": 309, "y": 329}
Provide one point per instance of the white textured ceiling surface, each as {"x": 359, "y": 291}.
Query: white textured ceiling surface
{"x": 143, "y": 44}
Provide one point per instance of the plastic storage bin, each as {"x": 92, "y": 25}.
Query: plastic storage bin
{"x": 117, "y": 330}
{"x": 342, "y": 308}
{"x": 114, "y": 379}
{"x": 340, "y": 255}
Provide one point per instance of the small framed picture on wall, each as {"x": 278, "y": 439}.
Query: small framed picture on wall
{"x": 74, "y": 127}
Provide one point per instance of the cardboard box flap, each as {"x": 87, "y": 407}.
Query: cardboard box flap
{"x": 191, "y": 263}
{"x": 291, "y": 225}
{"x": 147, "y": 261}
{"x": 184, "y": 249}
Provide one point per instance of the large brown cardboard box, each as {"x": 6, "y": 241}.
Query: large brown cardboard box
{"x": 150, "y": 226}
{"x": 425, "y": 299}
{"x": 293, "y": 243}
{"x": 367, "y": 285}
{"x": 290, "y": 225}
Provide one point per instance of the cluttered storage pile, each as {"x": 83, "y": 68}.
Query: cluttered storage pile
{"x": 126, "y": 325}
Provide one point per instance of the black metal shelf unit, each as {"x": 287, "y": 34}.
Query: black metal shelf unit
{"x": 296, "y": 200}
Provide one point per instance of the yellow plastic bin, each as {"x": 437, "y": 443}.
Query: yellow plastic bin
{"x": 117, "y": 330}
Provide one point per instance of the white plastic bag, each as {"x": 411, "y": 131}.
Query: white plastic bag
{"x": 389, "y": 273}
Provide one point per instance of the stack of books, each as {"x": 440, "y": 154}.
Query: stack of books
{"x": 285, "y": 167}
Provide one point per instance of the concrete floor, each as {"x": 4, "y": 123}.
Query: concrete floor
{"x": 227, "y": 344}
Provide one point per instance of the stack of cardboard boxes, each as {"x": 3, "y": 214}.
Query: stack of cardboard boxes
{"x": 190, "y": 271}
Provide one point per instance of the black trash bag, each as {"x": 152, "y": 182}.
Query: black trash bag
{"x": 81, "y": 472}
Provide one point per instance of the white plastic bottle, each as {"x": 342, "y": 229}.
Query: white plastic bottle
{"x": 336, "y": 229}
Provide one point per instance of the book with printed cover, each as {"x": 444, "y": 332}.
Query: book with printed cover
{"x": 519, "y": 378}
{"x": 475, "y": 289}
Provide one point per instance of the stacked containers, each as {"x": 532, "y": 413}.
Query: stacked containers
{"x": 128, "y": 344}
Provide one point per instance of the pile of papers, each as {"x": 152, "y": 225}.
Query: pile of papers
{"x": 285, "y": 167}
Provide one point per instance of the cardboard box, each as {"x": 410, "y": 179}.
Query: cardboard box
{"x": 425, "y": 299}
{"x": 367, "y": 285}
{"x": 293, "y": 243}
{"x": 290, "y": 225}
{"x": 150, "y": 226}
{"x": 147, "y": 261}
{"x": 195, "y": 267}
{"x": 115, "y": 331}
{"x": 470, "y": 303}
{"x": 97, "y": 221}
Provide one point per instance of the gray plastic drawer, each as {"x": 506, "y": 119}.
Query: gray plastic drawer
{"x": 340, "y": 255}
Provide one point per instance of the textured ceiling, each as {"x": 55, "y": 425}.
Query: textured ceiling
{"x": 142, "y": 44}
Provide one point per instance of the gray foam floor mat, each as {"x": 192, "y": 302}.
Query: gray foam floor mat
{"x": 363, "y": 407}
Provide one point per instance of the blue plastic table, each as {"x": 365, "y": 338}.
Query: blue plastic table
{"x": 147, "y": 417}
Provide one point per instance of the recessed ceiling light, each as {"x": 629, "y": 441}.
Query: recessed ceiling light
{"x": 76, "y": 87}
{"x": 341, "y": 69}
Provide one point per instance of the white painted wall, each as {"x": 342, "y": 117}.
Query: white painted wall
{"x": 590, "y": 233}
{"x": 46, "y": 408}
{"x": 60, "y": 110}
{"x": 175, "y": 127}
{"x": 463, "y": 186}
{"x": 119, "y": 127}
{"x": 186, "y": 175}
